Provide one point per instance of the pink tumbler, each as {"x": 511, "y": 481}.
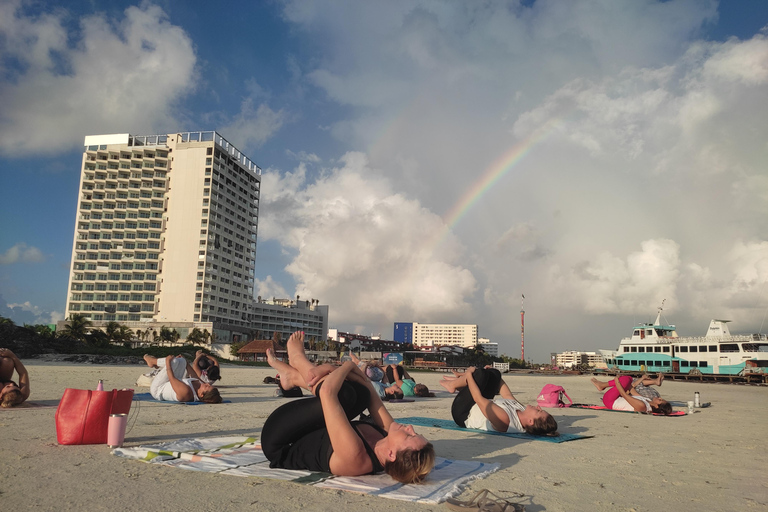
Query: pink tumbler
{"x": 116, "y": 430}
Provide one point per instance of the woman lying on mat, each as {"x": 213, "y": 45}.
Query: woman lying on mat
{"x": 206, "y": 367}
{"x": 397, "y": 375}
{"x": 317, "y": 433}
{"x": 370, "y": 368}
{"x": 619, "y": 398}
{"x": 12, "y": 394}
{"x": 475, "y": 406}
{"x": 172, "y": 385}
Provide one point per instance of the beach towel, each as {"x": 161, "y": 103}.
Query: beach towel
{"x": 242, "y": 456}
{"x": 450, "y": 425}
{"x": 147, "y": 397}
{"x": 604, "y": 408}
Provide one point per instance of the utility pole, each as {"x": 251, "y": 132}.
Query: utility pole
{"x": 522, "y": 330}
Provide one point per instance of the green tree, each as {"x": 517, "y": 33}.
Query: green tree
{"x": 195, "y": 336}
{"x": 233, "y": 348}
{"x": 78, "y": 327}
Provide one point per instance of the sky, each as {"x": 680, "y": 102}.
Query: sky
{"x": 424, "y": 161}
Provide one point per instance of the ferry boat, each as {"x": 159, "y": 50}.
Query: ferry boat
{"x": 657, "y": 347}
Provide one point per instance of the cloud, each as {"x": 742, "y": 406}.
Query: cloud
{"x": 253, "y": 126}
{"x": 21, "y": 253}
{"x": 268, "y": 288}
{"x": 111, "y": 73}
{"x": 373, "y": 254}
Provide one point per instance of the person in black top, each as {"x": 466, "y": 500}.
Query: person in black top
{"x": 12, "y": 394}
{"x": 317, "y": 433}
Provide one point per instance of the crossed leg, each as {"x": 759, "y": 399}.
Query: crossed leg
{"x": 301, "y": 371}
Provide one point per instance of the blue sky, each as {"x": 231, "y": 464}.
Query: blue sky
{"x": 641, "y": 127}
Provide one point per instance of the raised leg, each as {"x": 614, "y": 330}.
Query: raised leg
{"x": 600, "y": 385}
{"x": 289, "y": 376}
{"x": 150, "y": 360}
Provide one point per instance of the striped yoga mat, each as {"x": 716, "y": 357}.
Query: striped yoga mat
{"x": 242, "y": 456}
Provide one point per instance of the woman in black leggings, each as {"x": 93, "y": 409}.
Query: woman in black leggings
{"x": 476, "y": 406}
{"x": 317, "y": 433}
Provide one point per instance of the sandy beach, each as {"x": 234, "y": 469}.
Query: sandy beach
{"x": 711, "y": 460}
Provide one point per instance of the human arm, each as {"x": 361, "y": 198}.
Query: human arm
{"x": 505, "y": 392}
{"x": 396, "y": 375}
{"x": 194, "y": 369}
{"x": 493, "y": 413}
{"x": 182, "y": 391}
{"x": 349, "y": 457}
{"x": 637, "y": 405}
{"x": 24, "y": 388}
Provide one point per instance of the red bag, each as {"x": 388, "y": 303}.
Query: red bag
{"x": 552, "y": 396}
{"x": 83, "y": 415}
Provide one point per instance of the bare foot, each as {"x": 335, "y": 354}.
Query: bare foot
{"x": 289, "y": 376}
{"x": 598, "y": 384}
{"x": 659, "y": 379}
{"x": 448, "y": 385}
{"x": 150, "y": 360}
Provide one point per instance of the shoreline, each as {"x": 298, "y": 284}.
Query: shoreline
{"x": 704, "y": 461}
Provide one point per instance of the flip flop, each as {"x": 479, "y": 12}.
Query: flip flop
{"x": 482, "y": 502}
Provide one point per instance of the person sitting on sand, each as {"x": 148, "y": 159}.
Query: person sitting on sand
{"x": 317, "y": 433}
{"x": 396, "y": 374}
{"x": 172, "y": 385}
{"x": 207, "y": 367}
{"x": 618, "y": 397}
{"x": 11, "y": 393}
{"x": 475, "y": 406}
{"x": 385, "y": 392}
{"x": 371, "y": 368}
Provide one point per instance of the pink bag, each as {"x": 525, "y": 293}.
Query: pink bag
{"x": 552, "y": 396}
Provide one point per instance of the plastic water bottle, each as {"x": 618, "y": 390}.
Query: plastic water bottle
{"x": 100, "y": 386}
{"x": 696, "y": 399}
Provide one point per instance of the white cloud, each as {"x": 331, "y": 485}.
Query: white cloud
{"x": 268, "y": 289}
{"x": 251, "y": 127}
{"x": 21, "y": 253}
{"x": 130, "y": 72}
{"x": 373, "y": 254}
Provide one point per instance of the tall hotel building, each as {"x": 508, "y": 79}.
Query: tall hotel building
{"x": 435, "y": 335}
{"x": 165, "y": 233}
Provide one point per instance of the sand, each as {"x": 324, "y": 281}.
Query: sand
{"x": 711, "y": 460}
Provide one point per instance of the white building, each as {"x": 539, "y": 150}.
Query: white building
{"x": 165, "y": 233}
{"x": 436, "y": 335}
{"x": 572, "y": 358}
{"x": 287, "y": 316}
{"x": 490, "y": 348}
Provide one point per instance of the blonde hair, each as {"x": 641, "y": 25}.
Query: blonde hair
{"x": 411, "y": 466}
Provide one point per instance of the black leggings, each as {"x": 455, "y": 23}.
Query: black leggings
{"x": 298, "y": 418}
{"x": 391, "y": 375}
{"x": 489, "y": 382}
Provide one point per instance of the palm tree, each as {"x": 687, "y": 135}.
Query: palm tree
{"x": 78, "y": 327}
{"x": 206, "y": 335}
{"x": 195, "y": 336}
{"x": 112, "y": 331}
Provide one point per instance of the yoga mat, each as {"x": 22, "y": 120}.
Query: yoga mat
{"x": 147, "y": 397}
{"x": 450, "y": 425}
{"x": 604, "y": 408}
{"x": 242, "y": 456}
{"x": 29, "y": 405}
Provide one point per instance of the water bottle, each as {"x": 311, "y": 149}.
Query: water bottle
{"x": 100, "y": 386}
{"x": 696, "y": 399}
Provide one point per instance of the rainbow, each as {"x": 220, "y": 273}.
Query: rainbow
{"x": 496, "y": 171}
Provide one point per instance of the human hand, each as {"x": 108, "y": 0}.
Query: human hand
{"x": 169, "y": 361}
{"x": 198, "y": 353}
{"x": 470, "y": 370}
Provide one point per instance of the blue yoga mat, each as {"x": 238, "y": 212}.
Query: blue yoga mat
{"x": 450, "y": 425}
{"x": 147, "y": 397}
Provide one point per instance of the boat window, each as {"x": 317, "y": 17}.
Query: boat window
{"x": 642, "y": 363}
{"x": 636, "y": 333}
{"x": 755, "y": 347}
{"x": 684, "y": 364}
{"x": 713, "y": 348}
{"x": 682, "y": 349}
{"x": 729, "y": 347}
{"x": 665, "y": 363}
{"x": 694, "y": 348}
{"x": 702, "y": 364}
{"x": 633, "y": 349}
{"x": 694, "y": 364}
{"x": 657, "y": 349}
{"x": 649, "y": 332}
{"x": 626, "y": 349}
{"x": 641, "y": 349}
{"x": 633, "y": 363}
{"x": 666, "y": 349}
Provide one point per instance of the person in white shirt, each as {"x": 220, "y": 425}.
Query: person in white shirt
{"x": 475, "y": 406}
